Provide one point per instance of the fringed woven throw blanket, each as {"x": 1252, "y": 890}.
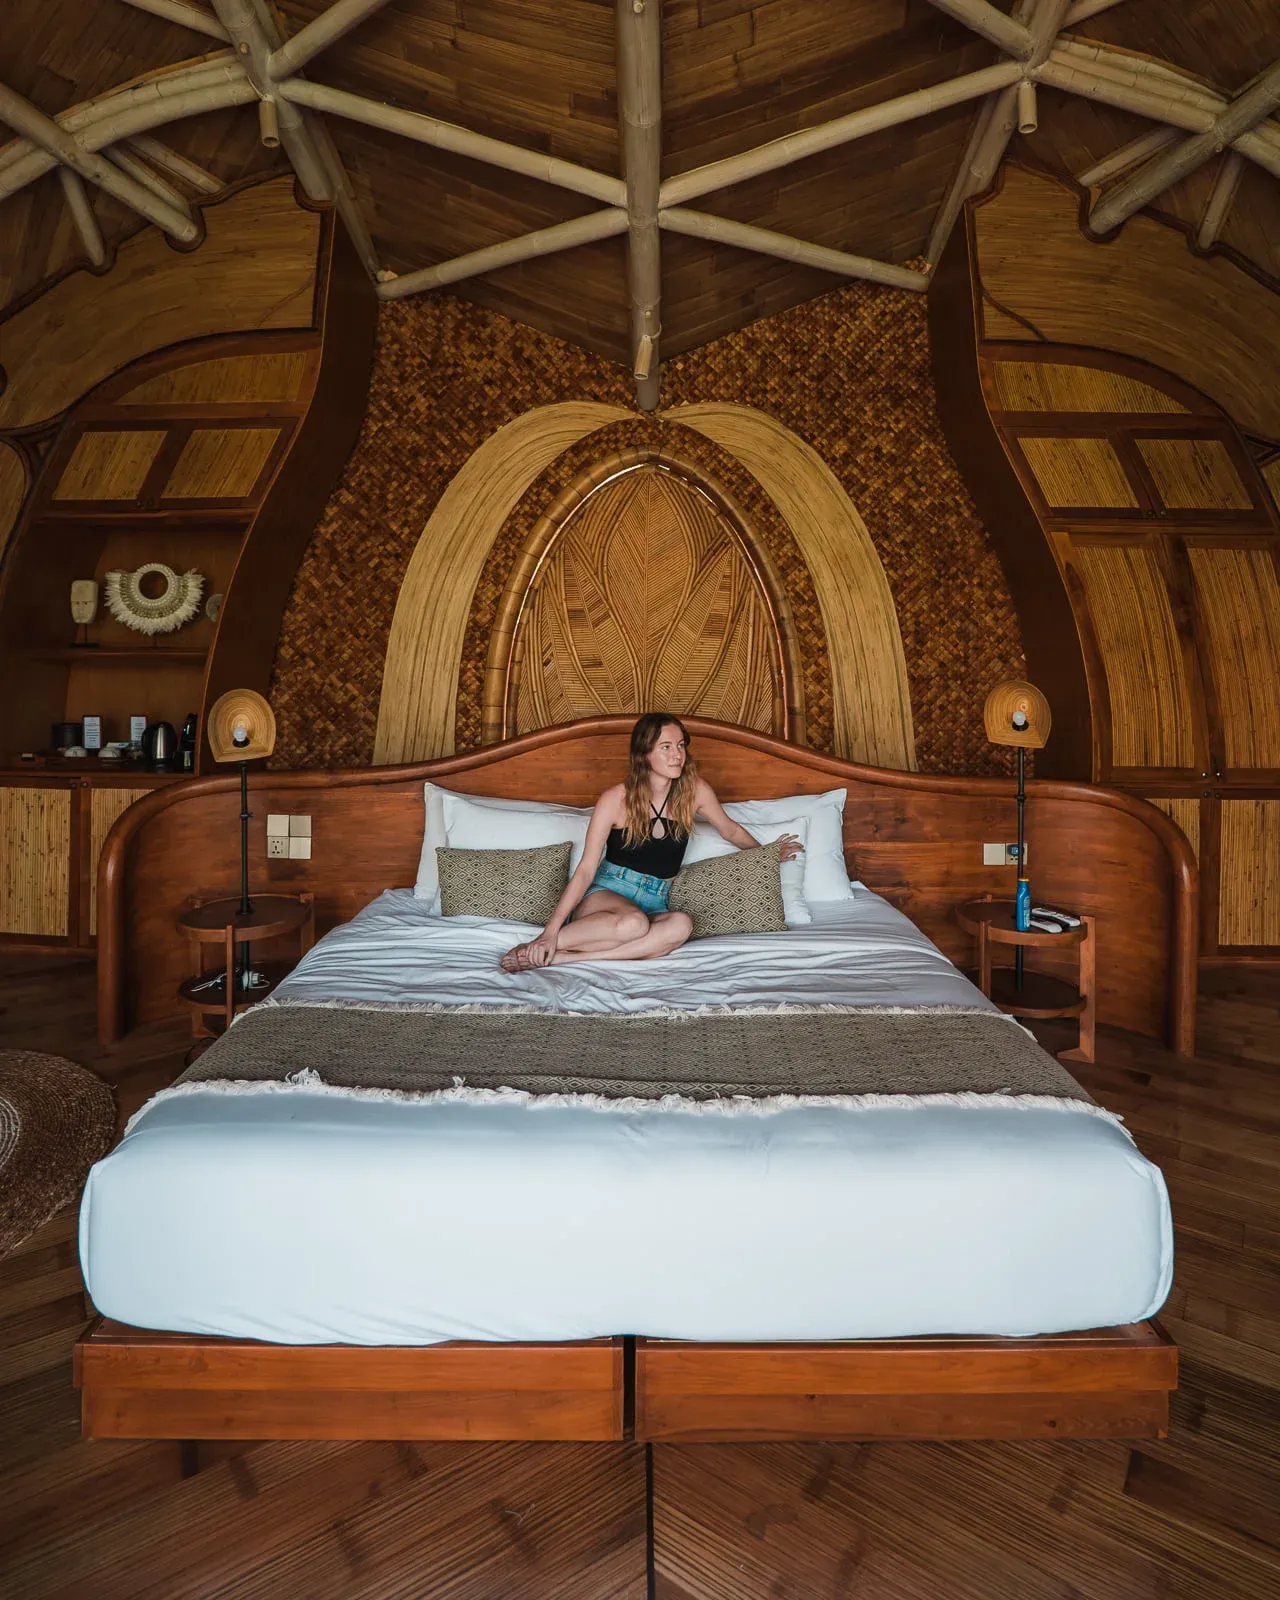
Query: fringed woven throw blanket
{"x": 728, "y": 1060}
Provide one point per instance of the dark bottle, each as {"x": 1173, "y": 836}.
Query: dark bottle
{"x": 187, "y": 744}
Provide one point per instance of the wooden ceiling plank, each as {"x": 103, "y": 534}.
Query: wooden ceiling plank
{"x": 24, "y": 118}
{"x": 542, "y": 242}
{"x": 639, "y": 47}
{"x": 721, "y": 230}
{"x": 83, "y": 217}
{"x": 1082, "y": 10}
{"x": 1011, "y": 36}
{"x": 448, "y": 136}
{"x": 1244, "y": 113}
{"x": 792, "y": 147}
{"x": 330, "y": 25}
{"x": 1223, "y": 193}
{"x": 184, "y": 15}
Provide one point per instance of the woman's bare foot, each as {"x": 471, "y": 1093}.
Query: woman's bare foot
{"x": 517, "y": 960}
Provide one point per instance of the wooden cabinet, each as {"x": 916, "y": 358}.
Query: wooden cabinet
{"x": 52, "y": 829}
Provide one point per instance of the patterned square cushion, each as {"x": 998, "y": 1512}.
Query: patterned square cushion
{"x": 515, "y": 885}
{"x": 741, "y": 893}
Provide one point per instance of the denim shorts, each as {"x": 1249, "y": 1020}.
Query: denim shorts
{"x": 649, "y": 893}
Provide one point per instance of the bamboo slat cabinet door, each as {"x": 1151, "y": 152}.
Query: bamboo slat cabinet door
{"x": 35, "y": 862}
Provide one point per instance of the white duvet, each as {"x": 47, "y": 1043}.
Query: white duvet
{"x": 303, "y": 1217}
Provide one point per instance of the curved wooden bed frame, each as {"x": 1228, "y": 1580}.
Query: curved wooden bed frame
{"x": 915, "y": 838}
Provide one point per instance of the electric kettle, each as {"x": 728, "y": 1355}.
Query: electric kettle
{"x": 160, "y": 747}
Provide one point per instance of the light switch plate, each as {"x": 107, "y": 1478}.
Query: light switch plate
{"x": 277, "y": 825}
{"x": 299, "y": 848}
{"x": 277, "y": 845}
{"x": 299, "y": 827}
{"x": 1000, "y": 855}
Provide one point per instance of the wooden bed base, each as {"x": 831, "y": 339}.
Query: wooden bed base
{"x": 1109, "y": 1383}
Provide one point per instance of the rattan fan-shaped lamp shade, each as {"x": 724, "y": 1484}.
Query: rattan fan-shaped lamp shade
{"x": 241, "y": 727}
{"x": 1016, "y": 713}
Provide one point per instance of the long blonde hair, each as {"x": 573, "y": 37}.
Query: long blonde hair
{"x": 679, "y": 807}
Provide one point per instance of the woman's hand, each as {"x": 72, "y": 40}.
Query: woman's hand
{"x": 791, "y": 847}
{"x": 541, "y": 949}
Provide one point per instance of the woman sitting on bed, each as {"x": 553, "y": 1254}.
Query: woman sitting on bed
{"x": 615, "y": 908}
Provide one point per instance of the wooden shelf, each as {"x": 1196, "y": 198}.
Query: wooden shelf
{"x": 122, "y": 656}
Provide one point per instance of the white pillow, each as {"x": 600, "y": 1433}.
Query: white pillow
{"x": 477, "y": 822}
{"x": 705, "y": 842}
{"x": 825, "y": 876}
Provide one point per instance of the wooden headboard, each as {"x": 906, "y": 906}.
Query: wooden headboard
{"x": 918, "y": 839}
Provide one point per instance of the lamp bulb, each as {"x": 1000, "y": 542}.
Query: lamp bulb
{"x": 1019, "y": 720}
{"x": 240, "y": 734}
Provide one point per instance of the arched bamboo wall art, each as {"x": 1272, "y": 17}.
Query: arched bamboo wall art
{"x": 642, "y": 586}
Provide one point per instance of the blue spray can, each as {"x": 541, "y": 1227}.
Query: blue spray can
{"x": 1022, "y": 907}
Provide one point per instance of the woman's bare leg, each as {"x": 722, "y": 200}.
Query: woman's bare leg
{"x": 603, "y": 920}
{"x": 667, "y": 932}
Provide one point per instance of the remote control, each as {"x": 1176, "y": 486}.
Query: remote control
{"x": 1064, "y": 917}
{"x": 1045, "y": 926}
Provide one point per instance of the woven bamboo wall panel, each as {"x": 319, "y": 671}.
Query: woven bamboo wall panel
{"x": 1186, "y": 813}
{"x": 35, "y": 860}
{"x": 110, "y": 464}
{"x": 646, "y": 600}
{"x": 1057, "y": 386}
{"x": 1079, "y": 472}
{"x": 1239, "y": 598}
{"x": 1195, "y": 474}
{"x": 13, "y": 489}
{"x": 220, "y": 463}
{"x": 848, "y": 372}
{"x": 105, "y": 805}
{"x": 276, "y": 376}
{"x": 255, "y": 269}
{"x": 1151, "y": 722}
{"x": 1249, "y": 894}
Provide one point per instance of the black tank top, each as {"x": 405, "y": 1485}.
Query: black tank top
{"x": 658, "y": 857}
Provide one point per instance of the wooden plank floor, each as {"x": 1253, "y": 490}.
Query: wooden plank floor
{"x": 1195, "y": 1516}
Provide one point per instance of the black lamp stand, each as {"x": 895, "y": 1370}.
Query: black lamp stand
{"x": 246, "y": 905}
{"x": 1022, "y": 846}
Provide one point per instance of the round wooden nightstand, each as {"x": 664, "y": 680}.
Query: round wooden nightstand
{"x": 219, "y": 922}
{"x": 1042, "y": 996}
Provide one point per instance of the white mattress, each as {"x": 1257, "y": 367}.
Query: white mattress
{"x": 305, "y": 1217}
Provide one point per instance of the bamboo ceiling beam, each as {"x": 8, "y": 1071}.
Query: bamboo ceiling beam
{"x": 448, "y": 136}
{"x": 1221, "y": 196}
{"x": 1011, "y": 36}
{"x": 721, "y": 230}
{"x": 184, "y": 15}
{"x": 26, "y": 119}
{"x": 177, "y": 165}
{"x": 1127, "y": 157}
{"x": 86, "y": 224}
{"x": 318, "y": 35}
{"x": 1001, "y": 117}
{"x": 127, "y": 162}
{"x": 1245, "y": 111}
{"x": 542, "y": 242}
{"x": 639, "y": 55}
{"x": 793, "y": 147}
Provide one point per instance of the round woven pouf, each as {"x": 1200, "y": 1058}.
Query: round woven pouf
{"x": 56, "y": 1120}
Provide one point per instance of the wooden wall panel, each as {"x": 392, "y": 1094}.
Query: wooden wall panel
{"x": 1151, "y": 713}
{"x": 1249, "y": 896}
{"x": 275, "y": 376}
{"x": 1186, "y": 813}
{"x": 105, "y": 805}
{"x": 13, "y": 489}
{"x": 35, "y": 860}
{"x": 1060, "y": 386}
{"x": 1239, "y": 596}
{"x": 1079, "y": 472}
{"x": 1144, "y": 294}
{"x": 220, "y": 463}
{"x": 109, "y": 464}
{"x": 1195, "y": 475}
{"x": 255, "y": 269}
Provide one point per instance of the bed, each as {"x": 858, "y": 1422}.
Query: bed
{"x": 320, "y": 1262}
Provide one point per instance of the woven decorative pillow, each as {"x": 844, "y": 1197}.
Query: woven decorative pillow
{"x": 741, "y": 893}
{"x": 514, "y": 885}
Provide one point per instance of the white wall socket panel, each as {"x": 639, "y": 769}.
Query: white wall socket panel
{"x": 277, "y": 845}
{"x": 1000, "y": 855}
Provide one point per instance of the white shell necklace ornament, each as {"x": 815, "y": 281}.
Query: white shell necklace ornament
{"x": 177, "y": 605}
